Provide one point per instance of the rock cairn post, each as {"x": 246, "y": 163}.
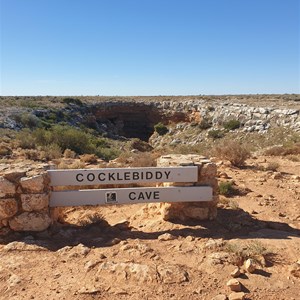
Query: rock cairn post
{"x": 207, "y": 173}
{"x": 24, "y": 202}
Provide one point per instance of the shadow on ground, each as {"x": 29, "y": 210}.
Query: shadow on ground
{"x": 230, "y": 224}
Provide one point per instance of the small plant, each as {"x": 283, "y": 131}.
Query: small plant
{"x": 233, "y": 151}
{"x": 140, "y": 145}
{"x": 32, "y": 154}
{"x": 293, "y": 158}
{"x": 27, "y": 120}
{"x": 226, "y": 188}
{"x": 25, "y": 139}
{"x": 53, "y": 151}
{"x": 215, "y": 134}
{"x": 160, "y": 128}
{"x": 75, "y": 165}
{"x": 272, "y": 166}
{"x": 89, "y": 158}
{"x": 254, "y": 250}
{"x": 232, "y": 124}
{"x": 107, "y": 153}
{"x": 205, "y": 124}
{"x": 4, "y": 150}
{"x": 69, "y": 154}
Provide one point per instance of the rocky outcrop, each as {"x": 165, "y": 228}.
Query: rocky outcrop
{"x": 136, "y": 118}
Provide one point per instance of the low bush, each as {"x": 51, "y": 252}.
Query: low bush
{"x": 32, "y": 154}
{"x": 254, "y": 250}
{"x": 25, "y": 139}
{"x": 67, "y": 137}
{"x": 232, "y": 124}
{"x": 232, "y": 151}
{"x": 272, "y": 166}
{"x": 27, "y": 120}
{"x": 205, "y": 124}
{"x": 68, "y": 153}
{"x": 293, "y": 149}
{"x": 107, "y": 153}
{"x": 160, "y": 128}
{"x": 89, "y": 158}
{"x": 140, "y": 145}
{"x": 5, "y": 150}
{"x": 226, "y": 188}
{"x": 215, "y": 134}
{"x": 52, "y": 151}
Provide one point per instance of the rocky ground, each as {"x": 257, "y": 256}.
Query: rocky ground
{"x": 126, "y": 252}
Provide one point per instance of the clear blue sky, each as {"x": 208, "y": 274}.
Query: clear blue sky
{"x": 149, "y": 47}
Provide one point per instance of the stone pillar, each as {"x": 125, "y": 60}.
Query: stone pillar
{"x": 207, "y": 173}
{"x": 24, "y": 202}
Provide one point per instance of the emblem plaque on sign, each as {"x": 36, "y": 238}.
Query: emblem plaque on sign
{"x": 111, "y": 197}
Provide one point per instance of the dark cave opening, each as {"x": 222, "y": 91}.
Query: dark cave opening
{"x": 130, "y": 120}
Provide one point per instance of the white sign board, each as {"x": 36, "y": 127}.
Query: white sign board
{"x": 131, "y": 196}
{"x": 122, "y": 176}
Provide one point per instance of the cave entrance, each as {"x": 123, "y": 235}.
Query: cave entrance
{"x": 131, "y": 120}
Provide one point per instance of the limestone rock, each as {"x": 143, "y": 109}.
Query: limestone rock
{"x": 214, "y": 244}
{"x": 235, "y": 273}
{"x": 34, "y": 184}
{"x": 234, "y": 285}
{"x": 277, "y": 175}
{"x": 14, "y": 175}
{"x": 172, "y": 273}
{"x": 249, "y": 265}
{"x": 13, "y": 280}
{"x": 127, "y": 271}
{"x": 30, "y": 221}
{"x": 31, "y": 202}
{"x": 295, "y": 269}
{"x": 166, "y": 237}
{"x": 218, "y": 258}
{"x": 237, "y": 296}
{"x": 24, "y": 246}
{"x": 6, "y": 187}
{"x": 8, "y": 208}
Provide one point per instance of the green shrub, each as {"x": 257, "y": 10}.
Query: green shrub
{"x": 226, "y": 188}
{"x": 215, "y": 134}
{"x": 160, "y": 128}
{"x": 27, "y": 120}
{"x": 71, "y": 138}
{"x": 232, "y": 124}
{"x": 66, "y": 138}
{"x": 107, "y": 153}
{"x": 26, "y": 139}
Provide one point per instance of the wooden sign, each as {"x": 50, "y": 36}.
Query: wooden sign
{"x": 131, "y": 196}
{"x": 123, "y": 176}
